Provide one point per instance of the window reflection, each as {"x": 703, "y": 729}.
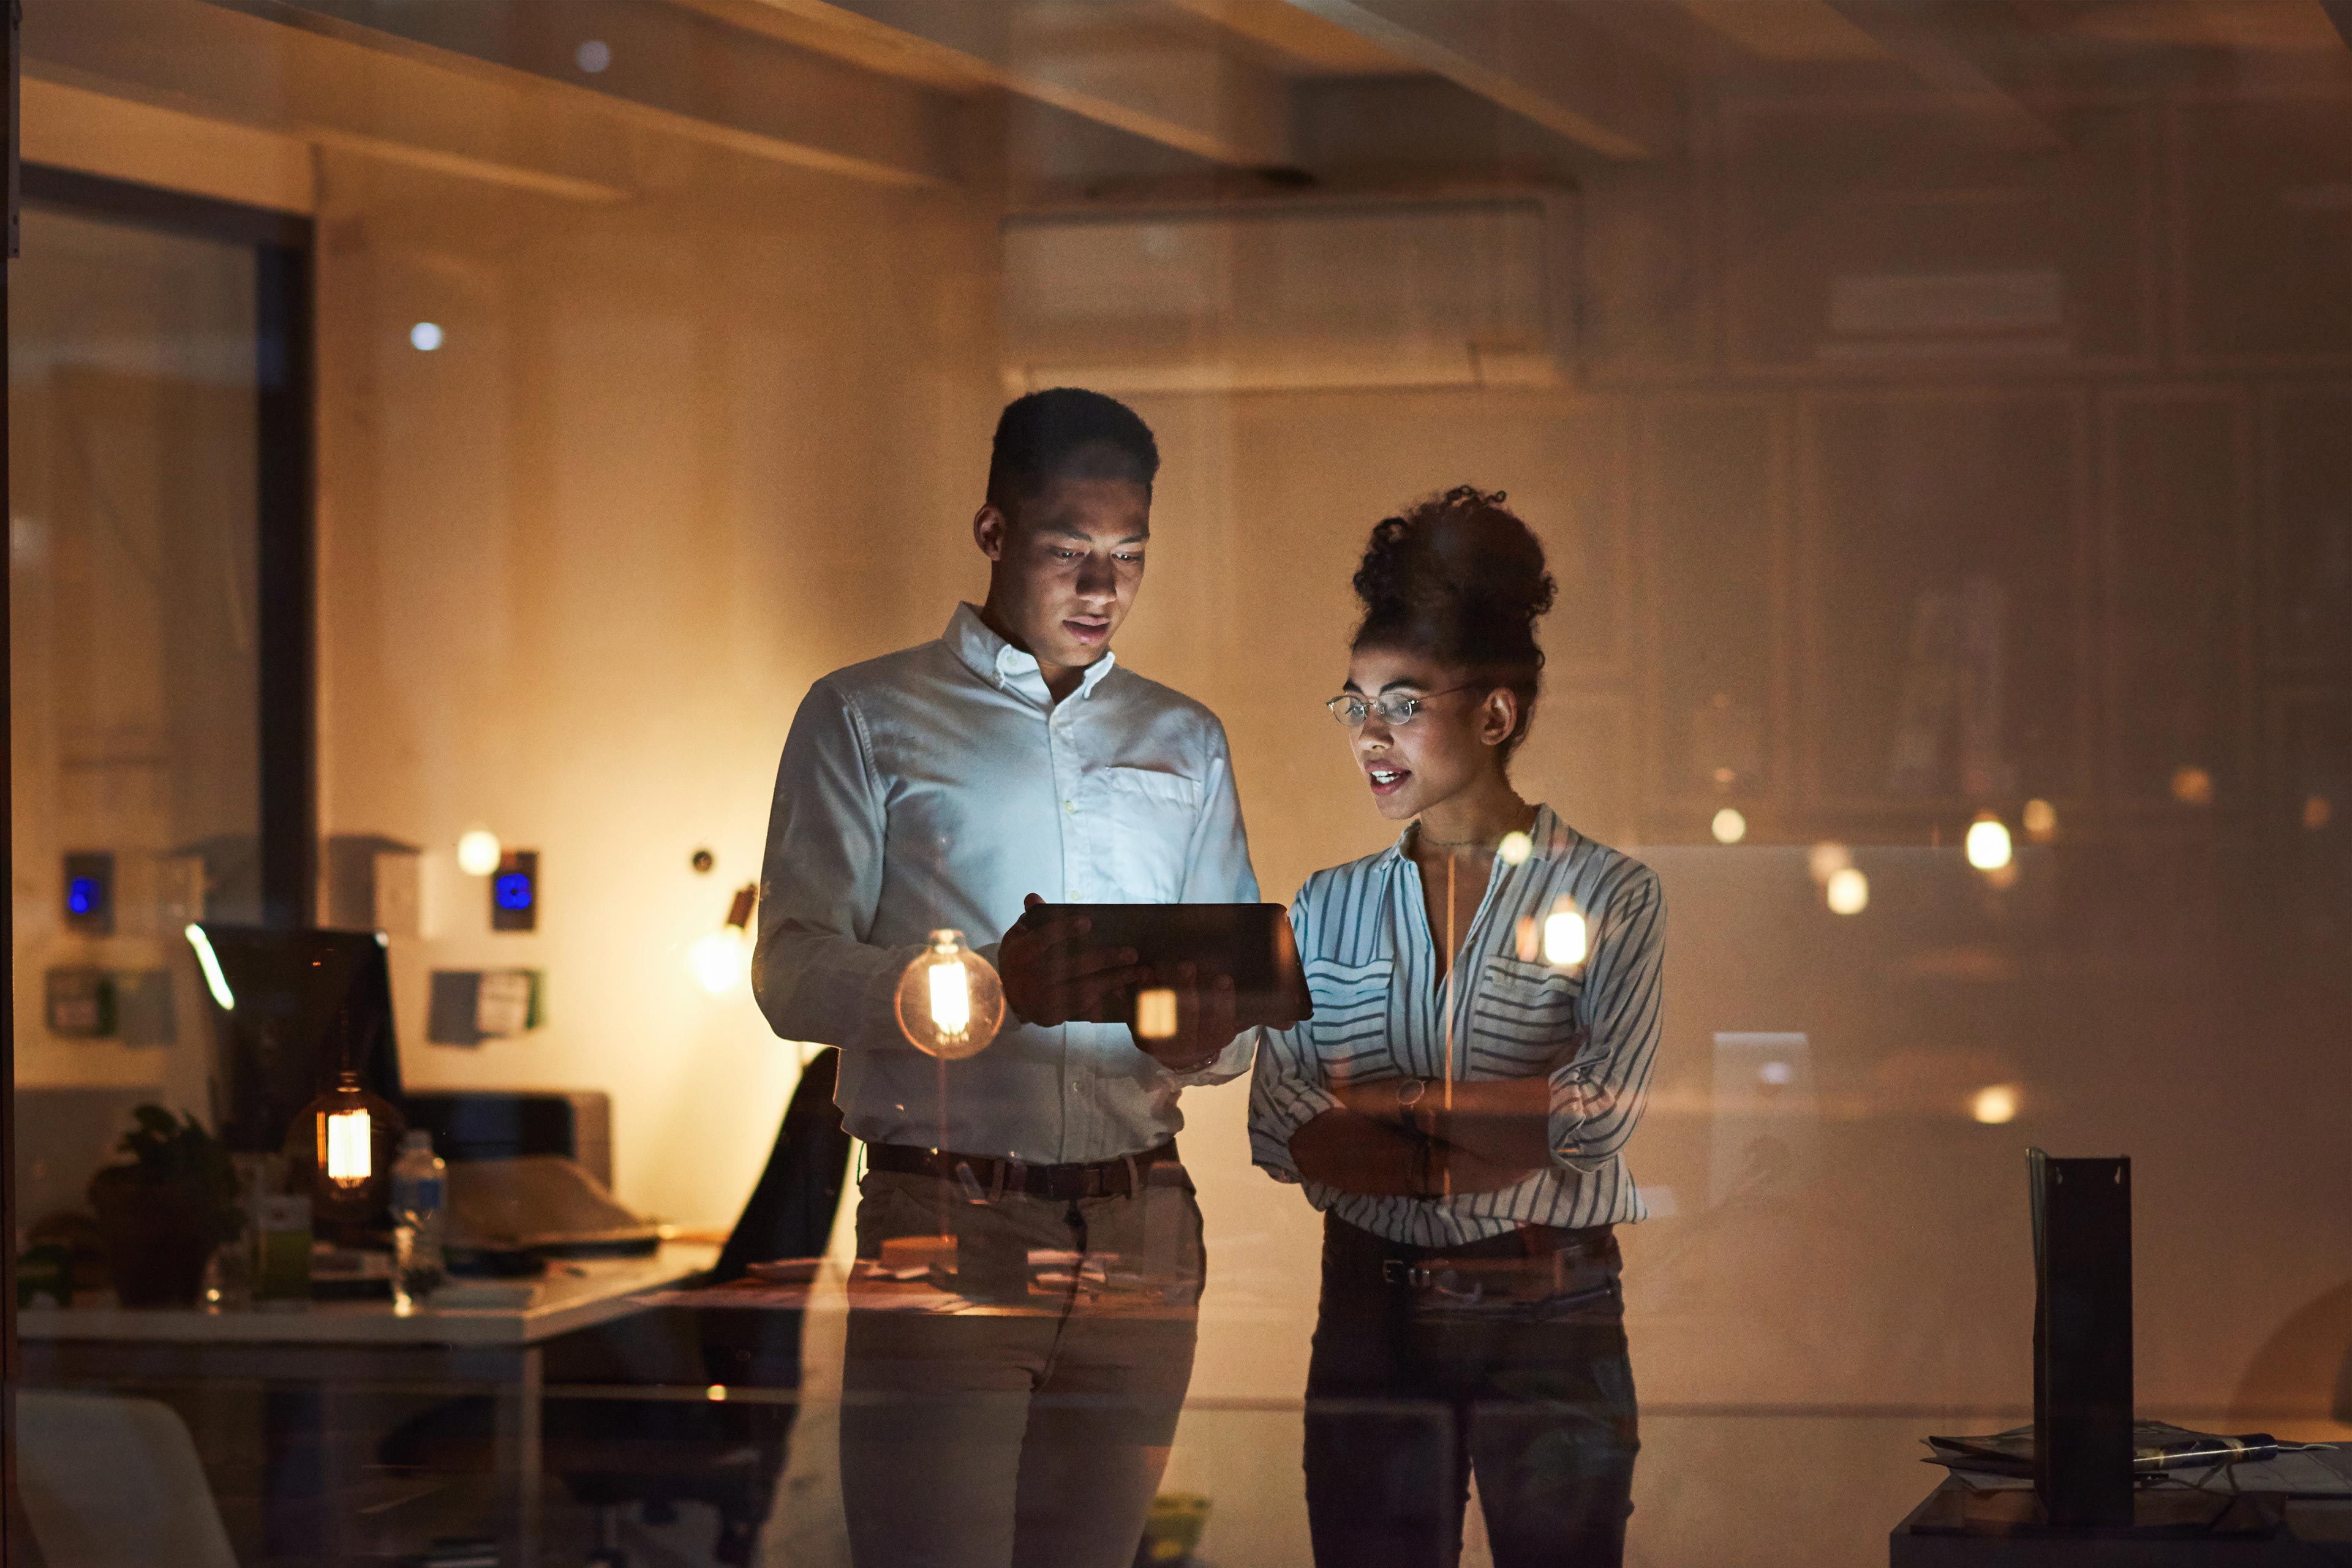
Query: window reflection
{"x": 458, "y": 452}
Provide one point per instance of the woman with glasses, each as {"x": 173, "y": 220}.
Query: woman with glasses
{"x": 1487, "y": 1003}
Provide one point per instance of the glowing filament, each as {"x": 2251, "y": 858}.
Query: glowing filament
{"x": 1155, "y": 1014}
{"x": 1564, "y": 941}
{"x": 349, "y": 1156}
{"x": 951, "y": 999}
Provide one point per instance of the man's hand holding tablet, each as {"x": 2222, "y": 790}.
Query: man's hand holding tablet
{"x": 1226, "y": 968}
{"x": 1054, "y": 974}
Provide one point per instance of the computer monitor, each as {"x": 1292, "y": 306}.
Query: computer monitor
{"x": 290, "y": 1009}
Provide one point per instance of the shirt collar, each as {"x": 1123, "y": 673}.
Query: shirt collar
{"x": 1000, "y": 664}
{"x": 1550, "y": 838}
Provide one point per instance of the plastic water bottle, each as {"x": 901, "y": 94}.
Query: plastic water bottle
{"x": 419, "y": 1195}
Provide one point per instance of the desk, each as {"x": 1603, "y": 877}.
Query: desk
{"x": 2318, "y": 1532}
{"x": 342, "y": 1343}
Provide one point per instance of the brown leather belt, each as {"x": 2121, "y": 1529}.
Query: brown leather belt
{"x": 983, "y": 1180}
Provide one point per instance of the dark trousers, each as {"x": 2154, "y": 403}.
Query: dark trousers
{"x": 1411, "y": 1389}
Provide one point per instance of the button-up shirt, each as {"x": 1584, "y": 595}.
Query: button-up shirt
{"x": 934, "y": 788}
{"x": 1383, "y": 1013}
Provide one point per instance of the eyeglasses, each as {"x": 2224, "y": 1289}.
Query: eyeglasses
{"x": 1395, "y": 710}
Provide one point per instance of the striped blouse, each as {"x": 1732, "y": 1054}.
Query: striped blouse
{"x": 1380, "y": 1011}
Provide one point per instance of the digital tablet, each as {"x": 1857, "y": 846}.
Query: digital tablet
{"x": 1251, "y": 943}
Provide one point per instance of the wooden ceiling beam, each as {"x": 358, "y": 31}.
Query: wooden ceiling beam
{"x": 1541, "y": 60}
{"x": 1165, "y": 84}
{"x": 669, "y": 69}
{"x": 1906, "y": 30}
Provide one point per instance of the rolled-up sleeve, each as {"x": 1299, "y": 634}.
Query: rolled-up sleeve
{"x": 1597, "y": 1096}
{"x": 814, "y": 975}
{"x": 1217, "y": 871}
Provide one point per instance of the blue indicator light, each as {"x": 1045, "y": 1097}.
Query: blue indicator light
{"x": 512, "y": 891}
{"x": 82, "y": 895}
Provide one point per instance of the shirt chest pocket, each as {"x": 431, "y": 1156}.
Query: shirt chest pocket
{"x": 1523, "y": 1018}
{"x": 1146, "y": 818}
{"x": 1351, "y": 1009}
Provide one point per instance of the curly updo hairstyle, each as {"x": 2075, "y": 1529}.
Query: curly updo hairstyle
{"x": 1460, "y": 580}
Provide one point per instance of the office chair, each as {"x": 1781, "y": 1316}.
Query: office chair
{"x": 656, "y": 1454}
{"x": 109, "y": 1482}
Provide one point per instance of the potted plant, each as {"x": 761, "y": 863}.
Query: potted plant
{"x": 162, "y": 1214}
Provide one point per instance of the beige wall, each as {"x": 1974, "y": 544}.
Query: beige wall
{"x": 675, "y": 459}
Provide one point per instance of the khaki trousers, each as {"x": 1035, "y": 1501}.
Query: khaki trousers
{"x": 1035, "y": 1435}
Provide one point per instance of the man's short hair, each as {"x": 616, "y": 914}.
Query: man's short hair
{"x": 1067, "y": 432}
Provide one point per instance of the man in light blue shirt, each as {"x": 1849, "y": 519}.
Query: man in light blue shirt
{"x": 941, "y": 786}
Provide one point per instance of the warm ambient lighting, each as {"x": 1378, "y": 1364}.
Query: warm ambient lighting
{"x": 348, "y": 1159}
{"x": 716, "y": 1393}
{"x": 425, "y": 337}
{"x": 950, "y": 1000}
{"x": 2192, "y": 785}
{"x": 206, "y": 960}
{"x": 1728, "y": 827}
{"x": 1515, "y": 848}
{"x": 2040, "y": 819}
{"x": 1155, "y": 1014}
{"x": 1564, "y": 941}
{"x": 2317, "y": 812}
{"x": 1994, "y": 1104}
{"x": 1826, "y": 860}
{"x": 478, "y": 852}
{"x": 349, "y": 1136}
{"x": 1848, "y": 892}
{"x": 1987, "y": 843}
{"x": 722, "y": 959}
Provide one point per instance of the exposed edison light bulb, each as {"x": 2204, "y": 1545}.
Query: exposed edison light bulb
{"x": 950, "y": 1000}
{"x": 346, "y": 1138}
{"x": 1564, "y": 937}
{"x": 1848, "y": 892}
{"x": 2040, "y": 819}
{"x": 479, "y": 851}
{"x": 350, "y": 1134}
{"x": 1988, "y": 846}
{"x": 1729, "y": 826}
{"x": 1994, "y": 1104}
